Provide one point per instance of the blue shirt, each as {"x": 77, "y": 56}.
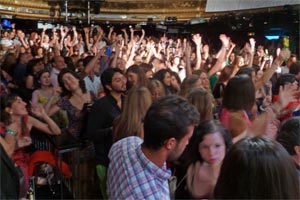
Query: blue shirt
{"x": 131, "y": 175}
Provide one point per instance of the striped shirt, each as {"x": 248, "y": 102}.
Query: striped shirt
{"x": 133, "y": 176}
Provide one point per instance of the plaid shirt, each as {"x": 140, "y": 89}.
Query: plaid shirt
{"x": 132, "y": 176}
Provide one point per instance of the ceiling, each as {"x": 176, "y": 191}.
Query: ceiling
{"x": 110, "y": 10}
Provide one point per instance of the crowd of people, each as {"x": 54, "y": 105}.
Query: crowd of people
{"x": 158, "y": 118}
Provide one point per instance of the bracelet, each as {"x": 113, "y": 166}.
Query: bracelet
{"x": 10, "y": 131}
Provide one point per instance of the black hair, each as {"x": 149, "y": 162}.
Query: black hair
{"x": 282, "y": 80}
{"x": 257, "y": 168}
{"x": 66, "y": 92}
{"x": 106, "y": 77}
{"x": 205, "y": 128}
{"x": 239, "y": 93}
{"x": 168, "y": 117}
{"x": 289, "y": 135}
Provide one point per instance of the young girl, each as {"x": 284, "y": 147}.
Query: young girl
{"x": 210, "y": 143}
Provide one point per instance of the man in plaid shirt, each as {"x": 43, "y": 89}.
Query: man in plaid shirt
{"x": 137, "y": 168}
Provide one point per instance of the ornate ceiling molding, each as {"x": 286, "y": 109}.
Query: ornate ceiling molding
{"x": 113, "y": 10}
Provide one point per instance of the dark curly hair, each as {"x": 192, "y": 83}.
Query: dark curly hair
{"x": 66, "y": 92}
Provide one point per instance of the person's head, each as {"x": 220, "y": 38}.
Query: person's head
{"x": 295, "y": 69}
{"x": 204, "y": 78}
{"x": 232, "y": 58}
{"x": 203, "y": 101}
{"x": 12, "y": 106}
{"x": 157, "y": 63}
{"x": 226, "y": 74}
{"x": 285, "y": 79}
{"x": 175, "y": 81}
{"x": 210, "y": 142}
{"x": 113, "y": 80}
{"x": 169, "y": 124}
{"x": 40, "y": 52}
{"x": 239, "y": 61}
{"x": 257, "y": 168}
{"x": 190, "y": 82}
{"x": 164, "y": 76}
{"x": 79, "y": 65}
{"x": 130, "y": 122}
{"x": 136, "y": 76}
{"x": 59, "y": 63}
{"x": 289, "y": 137}
{"x": 239, "y": 93}
{"x": 42, "y": 78}
{"x": 121, "y": 64}
{"x": 147, "y": 69}
{"x": 248, "y": 71}
{"x": 34, "y": 66}
{"x": 70, "y": 81}
{"x": 157, "y": 89}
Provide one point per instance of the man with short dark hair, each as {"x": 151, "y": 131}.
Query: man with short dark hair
{"x": 101, "y": 117}
{"x": 289, "y": 138}
{"x": 137, "y": 168}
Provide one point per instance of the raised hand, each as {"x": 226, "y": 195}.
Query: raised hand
{"x": 23, "y": 141}
{"x": 225, "y": 40}
{"x": 197, "y": 39}
{"x": 287, "y": 94}
{"x": 38, "y": 110}
{"x": 284, "y": 54}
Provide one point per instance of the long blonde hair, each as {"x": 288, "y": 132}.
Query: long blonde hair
{"x": 130, "y": 122}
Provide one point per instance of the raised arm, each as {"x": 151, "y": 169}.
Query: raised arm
{"x": 222, "y": 53}
{"x": 187, "y": 51}
{"x": 284, "y": 54}
{"x": 198, "y": 41}
{"x": 49, "y": 127}
{"x": 111, "y": 29}
{"x": 252, "y": 51}
{"x": 125, "y": 36}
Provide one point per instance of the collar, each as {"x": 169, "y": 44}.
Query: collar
{"x": 161, "y": 173}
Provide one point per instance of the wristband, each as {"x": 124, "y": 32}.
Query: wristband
{"x": 10, "y": 131}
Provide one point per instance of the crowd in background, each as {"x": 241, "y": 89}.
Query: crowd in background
{"x": 98, "y": 87}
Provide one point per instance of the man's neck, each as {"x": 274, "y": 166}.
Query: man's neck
{"x": 157, "y": 157}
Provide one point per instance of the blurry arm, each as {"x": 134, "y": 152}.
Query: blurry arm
{"x": 198, "y": 41}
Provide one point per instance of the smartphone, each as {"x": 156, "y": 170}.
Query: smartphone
{"x": 108, "y": 51}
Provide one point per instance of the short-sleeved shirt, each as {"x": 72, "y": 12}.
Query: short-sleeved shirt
{"x": 131, "y": 175}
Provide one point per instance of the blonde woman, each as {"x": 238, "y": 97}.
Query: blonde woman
{"x": 130, "y": 122}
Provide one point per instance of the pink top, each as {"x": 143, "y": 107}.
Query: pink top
{"x": 224, "y": 117}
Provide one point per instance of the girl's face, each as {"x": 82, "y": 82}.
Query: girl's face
{"x": 18, "y": 107}
{"x": 45, "y": 79}
{"x": 40, "y": 51}
{"x": 71, "y": 83}
{"x": 204, "y": 80}
{"x": 212, "y": 148}
{"x": 167, "y": 79}
{"x": 232, "y": 57}
{"x": 132, "y": 78}
{"x": 156, "y": 93}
